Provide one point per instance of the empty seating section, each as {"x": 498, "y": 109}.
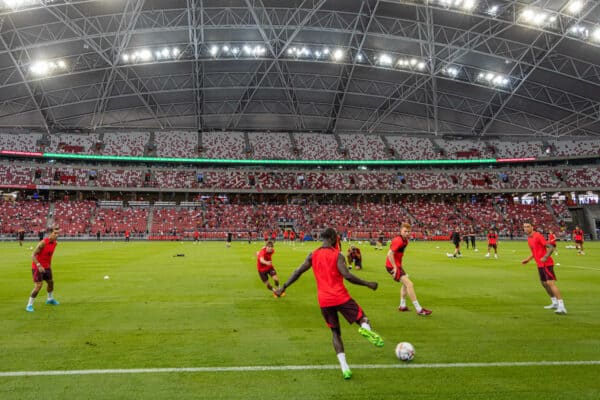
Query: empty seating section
{"x": 223, "y": 145}
{"x": 363, "y": 147}
{"x": 511, "y": 149}
{"x": 23, "y": 214}
{"x": 317, "y": 146}
{"x": 16, "y": 173}
{"x": 273, "y": 146}
{"x": 464, "y": 149}
{"x": 73, "y": 217}
{"x": 73, "y": 143}
{"x": 120, "y": 178}
{"x": 565, "y": 148}
{"x": 20, "y": 141}
{"x": 277, "y": 145}
{"x": 185, "y": 179}
{"x": 125, "y": 144}
{"x": 115, "y": 221}
{"x": 411, "y": 148}
{"x": 176, "y": 144}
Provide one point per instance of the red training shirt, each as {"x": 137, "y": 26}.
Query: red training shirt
{"x": 330, "y": 282}
{"x": 537, "y": 244}
{"x": 267, "y": 256}
{"x": 398, "y": 245}
{"x": 45, "y": 256}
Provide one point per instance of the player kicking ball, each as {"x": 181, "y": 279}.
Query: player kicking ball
{"x": 329, "y": 268}
{"x": 264, "y": 264}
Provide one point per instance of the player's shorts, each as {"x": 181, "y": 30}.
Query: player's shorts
{"x": 547, "y": 273}
{"x": 400, "y": 272}
{"x": 579, "y": 241}
{"x": 350, "y": 310}
{"x": 493, "y": 246}
{"x": 41, "y": 276}
{"x": 264, "y": 275}
{"x": 457, "y": 245}
{"x": 358, "y": 262}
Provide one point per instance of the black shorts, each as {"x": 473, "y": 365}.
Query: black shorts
{"x": 579, "y": 241}
{"x": 457, "y": 245}
{"x": 264, "y": 276}
{"x": 547, "y": 273}
{"x": 400, "y": 272}
{"x": 41, "y": 276}
{"x": 350, "y": 310}
{"x": 493, "y": 246}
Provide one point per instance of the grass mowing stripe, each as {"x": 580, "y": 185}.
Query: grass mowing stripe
{"x": 295, "y": 368}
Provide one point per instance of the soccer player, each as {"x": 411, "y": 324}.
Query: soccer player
{"x": 264, "y": 264}
{"x": 330, "y": 270}
{"x": 541, "y": 251}
{"x": 492, "y": 243}
{"x": 127, "y": 235}
{"x": 229, "y": 239}
{"x": 354, "y": 257}
{"x": 393, "y": 265}
{"x": 455, "y": 238}
{"x": 21, "y": 236}
{"x": 41, "y": 268}
{"x": 578, "y": 238}
{"x": 196, "y": 236}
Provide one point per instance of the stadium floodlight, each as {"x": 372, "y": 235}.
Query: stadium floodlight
{"x": 385, "y": 60}
{"x": 44, "y": 67}
{"x": 452, "y": 72}
{"x": 359, "y": 57}
{"x": 493, "y": 79}
{"x": 466, "y": 5}
{"x": 579, "y": 31}
{"x": 225, "y": 49}
{"x": 493, "y": 11}
{"x": 248, "y": 50}
{"x": 15, "y": 4}
{"x": 147, "y": 55}
{"x": 235, "y": 51}
{"x": 326, "y": 51}
{"x": 575, "y": 6}
{"x": 338, "y": 54}
{"x": 536, "y": 17}
{"x": 596, "y": 35}
{"x": 214, "y": 50}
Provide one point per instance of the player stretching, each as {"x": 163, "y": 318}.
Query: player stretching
{"x": 492, "y": 243}
{"x": 264, "y": 264}
{"x": 354, "y": 257}
{"x": 393, "y": 265}
{"x": 41, "y": 268}
{"x": 330, "y": 270}
{"x": 541, "y": 252}
{"x": 578, "y": 238}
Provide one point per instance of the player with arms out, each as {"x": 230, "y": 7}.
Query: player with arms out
{"x": 541, "y": 251}
{"x": 264, "y": 264}
{"x": 393, "y": 265}
{"x": 578, "y": 238}
{"x": 41, "y": 268}
{"x": 330, "y": 270}
{"x": 492, "y": 243}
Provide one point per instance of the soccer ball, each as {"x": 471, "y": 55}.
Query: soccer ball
{"x": 405, "y": 351}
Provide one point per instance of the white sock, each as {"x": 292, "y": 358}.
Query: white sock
{"x": 554, "y": 300}
{"x": 31, "y": 300}
{"x": 561, "y": 304}
{"x": 342, "y": 359}
{"x": 364, "y": 325}
{"x": 50, "y": 295}
{"x": 417, "y": 306}
{"x": 402, "y": 302}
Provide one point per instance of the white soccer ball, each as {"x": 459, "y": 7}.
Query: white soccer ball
{"x": 106, "y": 277}
{"x": 405, "y": 351}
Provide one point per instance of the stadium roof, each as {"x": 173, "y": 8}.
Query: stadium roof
{"x": 464, "y": 68}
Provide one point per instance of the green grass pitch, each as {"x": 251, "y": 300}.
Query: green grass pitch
{"x": 209, "y": 309}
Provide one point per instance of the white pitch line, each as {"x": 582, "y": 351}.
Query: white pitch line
{"x": 579, "y": 267}
{"x": 294, "y": 368}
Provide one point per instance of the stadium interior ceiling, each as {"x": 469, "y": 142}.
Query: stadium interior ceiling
{"x": 460, "y": 68}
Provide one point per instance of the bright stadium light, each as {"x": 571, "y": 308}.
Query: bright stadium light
{"x": 575, "y": 6}
{"x": 493, "y": 79}
{"x": 493, "y": 11}
{"x": 466, "y": 5}
{"x": 147, "y": 55}
{"x": 385, "y": 60}
{"x": 451, "y": 71}
{"x": 537, "y": 17}
{"x": 596, "y": 35}
{"x": 579, "y": 31}
{"x": 15, "y": 4}
{"x": 44, "y": 67}
{"x": 214, "y": 50}
{"x": 338, "y": 54}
